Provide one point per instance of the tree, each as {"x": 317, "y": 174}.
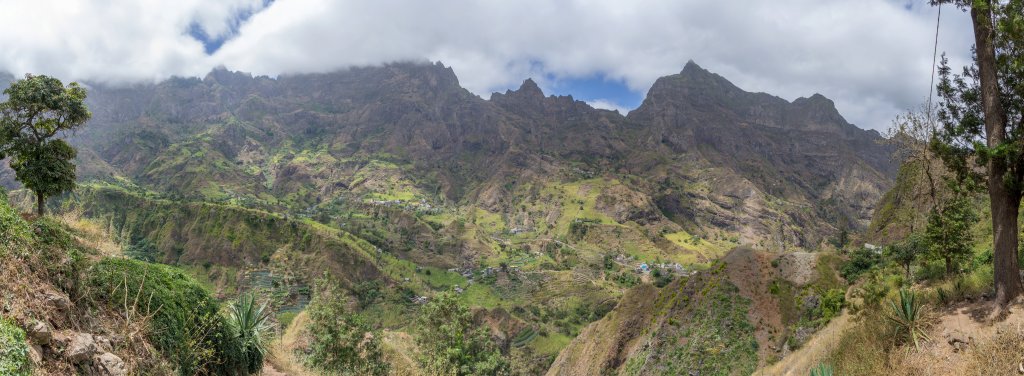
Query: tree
{"x": 37, "y": 109}
{"x": 452, "y": 344}
{"x": 949, "y": 232}
{"x": 982, "y": 116}
{"x": 904, "y": 253}
{"x": 342, "y": 341}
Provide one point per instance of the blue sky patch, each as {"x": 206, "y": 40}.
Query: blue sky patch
{"x": 212, "y": 43}
{"x": 596, "y": 88}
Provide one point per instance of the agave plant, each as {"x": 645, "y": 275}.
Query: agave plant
{"x": 251, "y": 323}
{"x": 822, "y": 370}
{"x": 908, "y": 316}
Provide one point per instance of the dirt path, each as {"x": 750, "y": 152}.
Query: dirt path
{"x": 269, "y": 370}
{"x": 812, "y": 352}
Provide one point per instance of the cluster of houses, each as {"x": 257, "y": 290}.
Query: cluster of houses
{"x": 420, "y": 206}
{"x": 675, "y": 268}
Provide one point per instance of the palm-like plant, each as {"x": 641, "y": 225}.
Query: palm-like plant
{"x": 251, "y": 322}
{"x": 822, "y": 370}
{"x": 908, "y": 316}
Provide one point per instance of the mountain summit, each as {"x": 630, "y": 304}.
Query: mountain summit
{"x": 252, "y": 137}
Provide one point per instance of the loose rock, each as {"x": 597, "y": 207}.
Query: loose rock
{"x": 108, "y": 364}
{"x": 81, "y": 348}
{"x": 39, "y": 332}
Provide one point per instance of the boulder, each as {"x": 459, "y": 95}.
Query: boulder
{"x": 39, "y": 332}
{"x": 108, "y": 364}
{"x": 81, "y": 348}
{"x": 56, "y": 300}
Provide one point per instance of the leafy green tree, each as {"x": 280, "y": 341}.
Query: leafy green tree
{"x": 904, "y": 253}
{"x": 949, "y": 232}
{"x": 982, "y": 121}
{"x": 342, "y": 342}
{"x": 37, "y": 109}
{"x": 452, "y": 344}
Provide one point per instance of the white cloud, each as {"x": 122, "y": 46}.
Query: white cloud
{"x": 605, "y": 104}
{"x": 873, "y": 57}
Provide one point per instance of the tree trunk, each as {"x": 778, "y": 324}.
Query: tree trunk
{"x": 1005, "y": 202}
{"x": 40, "y": 204}
{"x": 949, "y": 266}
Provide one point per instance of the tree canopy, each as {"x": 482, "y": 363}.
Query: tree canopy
{"x": 981, "y": 137}
{"x": 38, "y": 108}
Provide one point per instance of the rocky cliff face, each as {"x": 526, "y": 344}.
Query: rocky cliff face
{"x": 705, "y": 152}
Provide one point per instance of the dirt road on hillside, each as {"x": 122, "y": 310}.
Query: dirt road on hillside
{"x": 811, "y": 353}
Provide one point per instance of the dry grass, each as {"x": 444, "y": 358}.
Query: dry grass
{"x": 90, "y": 233}
{"x": 282, "y": 350}
{"x": 867, "y": 347}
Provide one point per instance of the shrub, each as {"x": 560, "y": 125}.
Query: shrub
{"x": 452, "y": 344}
{"x": 14, "y": 359}
{"x": 822, "y": 370}
{"x": 861, "y": 260}
{"x": 831, "y": 304}
{"x": 184, "y": 321}
{"x": 341, "y": 340}
{"x": 64, "y": 261}
{"x": 14, "y": 231}
{"x": 368, "y": 292}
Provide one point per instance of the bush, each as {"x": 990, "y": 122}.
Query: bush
{"x": 452, "y": 344}
{"x": 340, "y": 343}
{"x": 15, "y": 234}
{"x": 861, "y": 260}
{"x": 64, "y": 261}
{"x": 831, "y": 304}
{"x": 184, "y": 321}
{"x": 14, "y": 359}
{"x": 822, "y": 370}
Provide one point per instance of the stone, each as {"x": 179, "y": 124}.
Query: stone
{"x": 959, "y": 340}
{"x": 39, "y": 332}
{"x": 35, "y": 353}
{"x": 81, "y": 348}
{"x": 58, "y": 301}
{"x": 108, "y": 364}
{"x": 103, "y": 343}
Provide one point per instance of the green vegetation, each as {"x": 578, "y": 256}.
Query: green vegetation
{"x": 341, "y": 341}
{"x": 184, "y": 322}
{"x": 908, "y": 317}
{"x": 982, "y": 104}
{"x": 708, "y": 331}
{"x": 822, "y": 369}
{"x": 452, "y": 344}
{"x": 14, "y": 231}
{"x": 14, "y": 360}
{"x": 861, "y": 260}
{"x": 250, "y": 324}
{"x": 36, "y": 110}
{"x": 948, "y": 235}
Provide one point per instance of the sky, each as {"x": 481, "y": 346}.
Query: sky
{"x": 872, "y": 57}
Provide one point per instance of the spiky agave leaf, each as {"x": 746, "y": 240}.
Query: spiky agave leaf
{"x": 251, "y": 322}
{"x": 907, "y": 315}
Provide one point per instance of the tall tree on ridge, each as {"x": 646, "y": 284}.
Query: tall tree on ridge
{"x": 37, "y": 109}
{"x": 982, "y": 118}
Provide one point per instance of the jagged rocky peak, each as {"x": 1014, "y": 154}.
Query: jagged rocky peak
{"x": 224, "y": 76}
{"x": 817, "y": 110}
{"x": 527, "y": 91}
